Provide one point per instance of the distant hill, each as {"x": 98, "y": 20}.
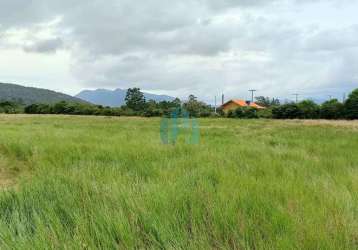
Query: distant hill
{"x": 115, "y": 98}
{"x": 29, "y": 95}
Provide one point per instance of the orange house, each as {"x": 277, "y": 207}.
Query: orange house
{"x": 234, "y": 104}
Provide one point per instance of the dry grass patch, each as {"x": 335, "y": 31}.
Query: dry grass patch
{"x": 334, "y": 123}
{"x": 10, "y": 172}
{"x": 6, "y": 180}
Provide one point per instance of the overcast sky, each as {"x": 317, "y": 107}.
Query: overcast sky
{"x": 204, "y": 47}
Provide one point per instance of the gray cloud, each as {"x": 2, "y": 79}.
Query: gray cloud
{"x": 45, "y": 46}
{"x": 192, "y": 46}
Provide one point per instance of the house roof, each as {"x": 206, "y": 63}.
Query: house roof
{"x": 243, "y": 103}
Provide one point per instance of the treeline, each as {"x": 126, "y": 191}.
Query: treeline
{"x": 137, "y": 105}
{"x": 71, "y": 108}
{"x": 11, "y": 107}
{"x": 306, "y": 109}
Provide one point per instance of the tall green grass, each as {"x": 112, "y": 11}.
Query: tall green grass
{"x": 101, "y": 183}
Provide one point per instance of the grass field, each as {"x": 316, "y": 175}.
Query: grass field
{"x": 109, "y": 183}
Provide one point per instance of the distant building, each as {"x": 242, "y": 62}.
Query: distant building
{"x": 234, "y": 104}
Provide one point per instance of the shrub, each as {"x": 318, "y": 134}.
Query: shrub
{"x": 286, "y": 111}
{"x": 60, "y": 108}
{"x": 205, "y": 113}
{"x": 332, "y": 109}
{"x": 250, "y": 113}
{"x": 125, "y": 111}
{"x": 10, "y": 107}
{"x": 351, "y": 106}
{"x": 220, "y": 112}
{"x": 243, "y": 113}
{"x": 31, "y": 109}
{"x": 71, "y": 109}
{"x": 265, "y": 113}
{"x": 239, "y": 113}
{"x": 231, "y": 114}
{"x": 153, "y": 112}
{"x": 308, "y": 110}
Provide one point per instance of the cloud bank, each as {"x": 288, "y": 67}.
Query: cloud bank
{"x": 203, "y": 47}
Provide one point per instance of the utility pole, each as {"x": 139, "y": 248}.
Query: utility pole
{"x": 252, "y": 94}
{"x": 215, "y": 105}
{"x": 344, "y": 97}
{"x": 296, "y": 97}
{"x": 222, "y": 99}
{"x": 330, "y": 97}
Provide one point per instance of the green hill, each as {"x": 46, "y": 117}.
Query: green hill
{"x": 29, "y": 95}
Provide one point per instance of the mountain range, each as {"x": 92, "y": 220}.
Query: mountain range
{"x": 115, "y": 98}
{"x": 29, "y": 95}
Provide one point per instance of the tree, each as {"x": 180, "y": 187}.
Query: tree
{"x": 250, "y": 113}
{"x": 351, "y": 106}
{"x": 308, "y": 109}
{"x": 197, "y": 108}
{"x": 10, "y": 107}
{"x": 286, "y": 111}
{"x": 176, "y": 103}
{"x": 331, "y": 109}
{"x": 60, "y": 108}
{"x": 265, "y": 113}
{"x": 266, "y": 101}
{"x": 192, "y": 106}
{"x": 243, "y": 113}
{"x": 31, "y": 109}
{"x": 275, "y": 102}
{"x": 152, "y": 109}
{"x": 135, "y": 99}
{"x": 38, "y": 109}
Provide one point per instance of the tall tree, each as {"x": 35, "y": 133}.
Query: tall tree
{"x": 197, "y": 108}
{"x": 308, "y": 109}
{"x": 267, "y": 101}
{"x": 351, "y": 106}
{"x": 135, "y": 99}
{"x": 192, "y": 106}
{"x": 331, "y": 109}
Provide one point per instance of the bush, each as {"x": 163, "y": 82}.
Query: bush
{"x": 220, "y": 112}
{"x": 205, "y": 113}
{"x": 265, "y": 113}
{"x": 308, "y": 110}
{"x": 250, "y": 113}
{"x": 351, "y": 106}
{"x": 71, "y": 109}
{"x": 125, "y": 111}
{"x": 10, "y": 107}
{"x": 243, "y": 113}
{"x": 38, "y": 109}
{"x": 332, "y": 109}
{"x": 239, "y": 113}
{"x": 231, "y": 114}
{"x": 286, "y": 111}
{"x": 153, "y": 112}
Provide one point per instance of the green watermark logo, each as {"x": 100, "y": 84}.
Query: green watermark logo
{"x": 179, "y": 122}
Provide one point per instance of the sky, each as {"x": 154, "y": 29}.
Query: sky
{"x": 200, "y": 47}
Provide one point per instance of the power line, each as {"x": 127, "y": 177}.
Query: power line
{"x": 252, "y": 94}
